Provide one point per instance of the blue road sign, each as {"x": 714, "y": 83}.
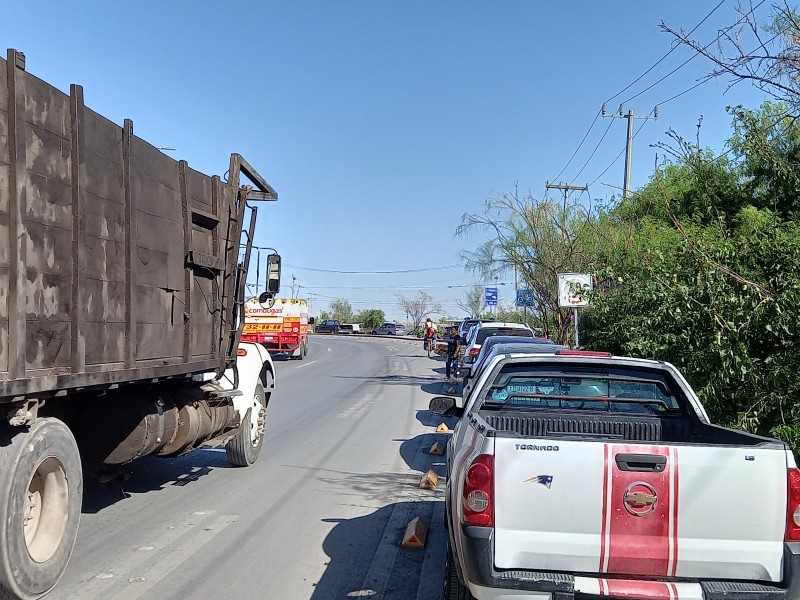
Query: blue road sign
{"x": 490, "y": 295}
{"x": 524, "y": 298}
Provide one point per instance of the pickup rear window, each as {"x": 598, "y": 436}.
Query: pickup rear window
{"x": 545, "y": 387}
{"x": 491, "y": 332}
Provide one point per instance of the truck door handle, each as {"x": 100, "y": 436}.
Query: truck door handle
{"x": 649, "y": 463}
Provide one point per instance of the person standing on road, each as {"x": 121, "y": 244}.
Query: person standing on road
{"x": 451, "y": 364}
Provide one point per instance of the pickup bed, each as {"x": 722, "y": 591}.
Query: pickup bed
{"x": 581, "y": 475}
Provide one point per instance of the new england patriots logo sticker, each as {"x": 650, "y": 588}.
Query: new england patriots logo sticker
{"x": 545, "y": 480}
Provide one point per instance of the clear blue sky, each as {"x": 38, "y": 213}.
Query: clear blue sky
{"x": 378, "y": 121}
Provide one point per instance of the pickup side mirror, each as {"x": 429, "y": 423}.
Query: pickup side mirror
{"x": 445, "y": 406}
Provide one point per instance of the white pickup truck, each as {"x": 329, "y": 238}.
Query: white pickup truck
{"x": 580, "y": 476}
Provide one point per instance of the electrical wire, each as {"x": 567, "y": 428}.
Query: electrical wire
{"x": 398, "y": 271}
{"x": 591, "y": 156}
{"x": 634, "y": 82}
{"x": 616, "y": 158}
{"x": 588, "y": 131}
{"x": 671, "y": 50}
{"x": 684, "y": 63}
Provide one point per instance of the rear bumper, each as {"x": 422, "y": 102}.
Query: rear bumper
{"x": 274, "y": 343}
{"x": 477, "y": 554}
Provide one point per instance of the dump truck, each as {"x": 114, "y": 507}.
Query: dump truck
{"x": 122, "y": 277}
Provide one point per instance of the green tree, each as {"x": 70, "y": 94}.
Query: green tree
{"x": 507, "y": 314}
{"x": 370, "y": 318}
{"x": 341, "y": 310}
{"x": 707, "y": 276}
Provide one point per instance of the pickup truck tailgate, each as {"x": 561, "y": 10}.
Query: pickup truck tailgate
{"x": 694, "y": 511}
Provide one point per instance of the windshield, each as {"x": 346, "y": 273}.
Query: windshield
{"x": 510, "y": 331}
{"x": 543, "y": 387}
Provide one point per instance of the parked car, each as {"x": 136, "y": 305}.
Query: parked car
{"x": 328, "y": 326}
{"x": 585, "y": 475}
{"x": 467, "y": 323}
{"x": 349, "y": 328}
{"x": 390, "y": 329}
{"x": 493, "y": 340}
{"x": 481, "y": 331}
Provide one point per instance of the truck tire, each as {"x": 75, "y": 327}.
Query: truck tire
{"x": 41, "y": 489}
{"x": 298, "y": 354}
{"x": 453, "y": 588}
{"x": 243, "y": 449}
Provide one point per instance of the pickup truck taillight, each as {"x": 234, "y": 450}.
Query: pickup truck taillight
{"x": 793, "y": 506}
{"x": 473, "y": 352}
{"x": 478, "y": 493}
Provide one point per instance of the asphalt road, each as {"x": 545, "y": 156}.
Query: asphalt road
{"x": 321, "y": 514}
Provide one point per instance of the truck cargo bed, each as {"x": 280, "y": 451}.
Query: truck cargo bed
{"x": 117, "y": 263}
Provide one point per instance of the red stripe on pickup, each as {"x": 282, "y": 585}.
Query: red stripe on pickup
{"x": 639, "y": 531}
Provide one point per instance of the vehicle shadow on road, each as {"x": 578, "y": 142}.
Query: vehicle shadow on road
{"x": 395, "y": 379}
{"x": 365, "y": 557}
{"x": 416, "y": 453}
{"x": 431, "y": 419}
{"x": 149, "y": 474}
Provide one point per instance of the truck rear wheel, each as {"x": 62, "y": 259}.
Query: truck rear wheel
{"x": 41, "y": 488}
{"x": 243, "y": 449}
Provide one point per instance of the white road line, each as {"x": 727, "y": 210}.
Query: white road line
{"x": 391, "y": 348}
{"x": 311, "y": 362}
{"x": 360, "y": 407}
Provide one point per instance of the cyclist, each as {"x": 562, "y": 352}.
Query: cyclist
{"x": 429, "y": 331}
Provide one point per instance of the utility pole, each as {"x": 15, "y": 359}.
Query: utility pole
{"x": 295, "y": 287}
{"x": 626, "y": 189}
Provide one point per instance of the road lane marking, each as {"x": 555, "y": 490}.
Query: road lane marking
{"x": 311, "y": 362}
{"x": 360, "y": 407}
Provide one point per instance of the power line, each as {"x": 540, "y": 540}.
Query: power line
{"x": 395, "y": 272}
{"x": 591, "y": 156}
{"x": 588, "y": 131}
{"x": 399, "y": 287}
{"x": 617, "y": 157}
{"x": 634, "y": 82}
{"x": 671, "y": 50}
{"x": 686, "y": 91}
{"x": 697, "y": 53}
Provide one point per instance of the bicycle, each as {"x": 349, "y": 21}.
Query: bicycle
{"x": 429, "y": 341}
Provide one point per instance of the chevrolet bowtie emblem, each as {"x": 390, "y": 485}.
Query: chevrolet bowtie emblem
{"x": 640, "y": 499}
